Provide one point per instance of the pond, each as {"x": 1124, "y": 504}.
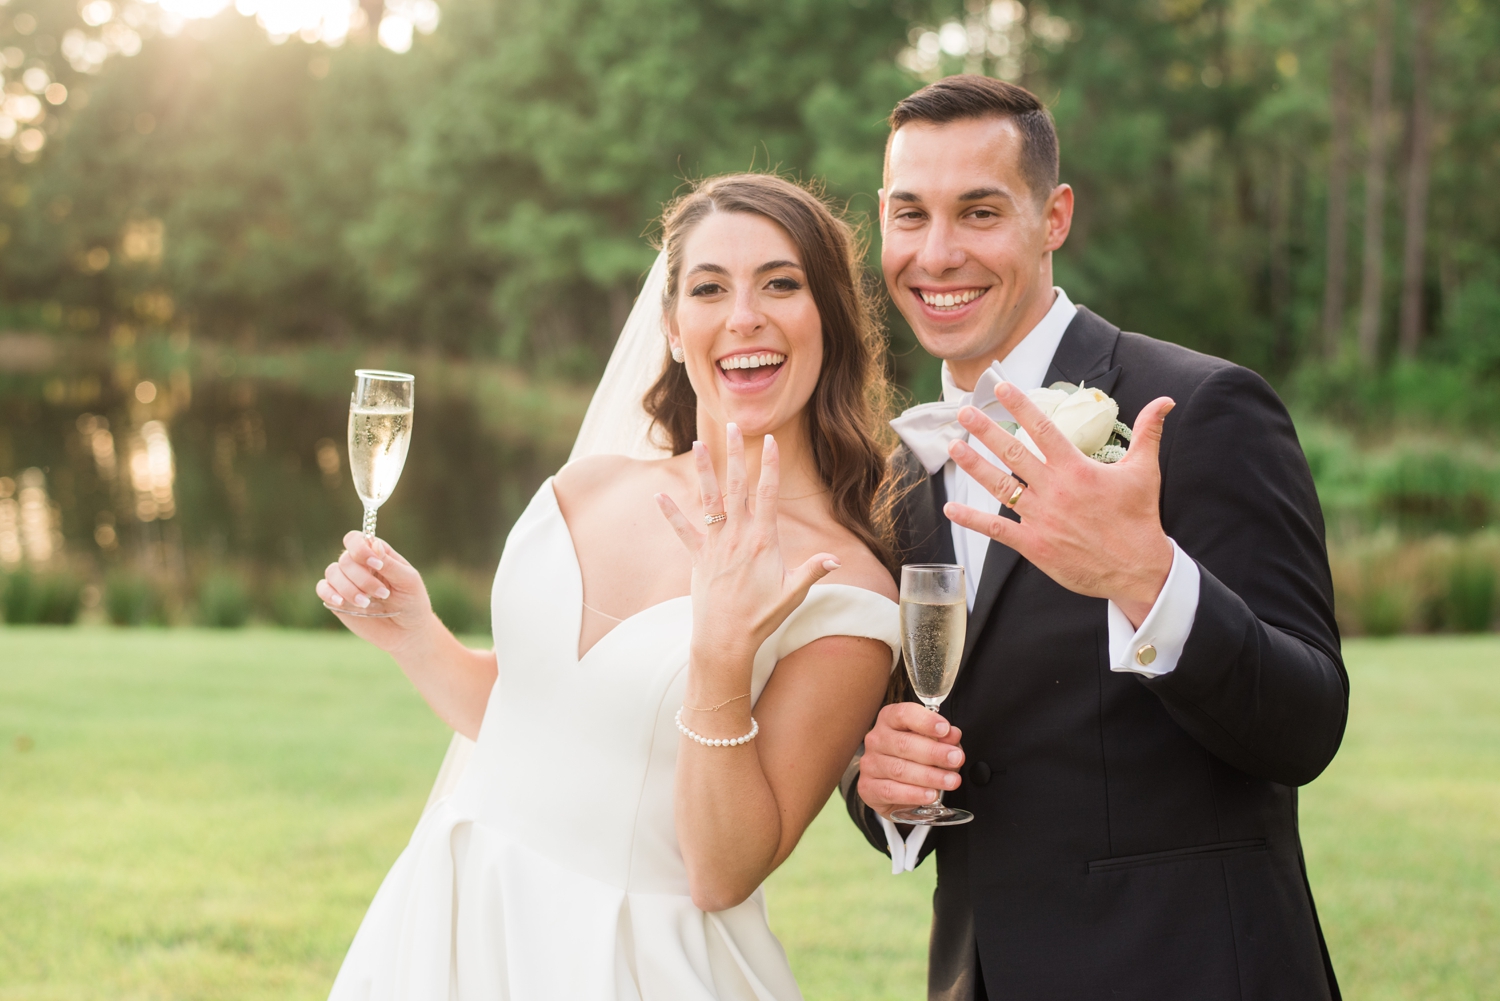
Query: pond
{"x": 177, "y": 466}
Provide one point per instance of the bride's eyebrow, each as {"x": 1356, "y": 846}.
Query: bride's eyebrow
{"x": 776, "y": 266}
{"x": 710, "y": 268}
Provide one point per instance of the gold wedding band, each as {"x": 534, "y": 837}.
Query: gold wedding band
{"x": 1020, "y": 489}
{"x": 714, "y": 519}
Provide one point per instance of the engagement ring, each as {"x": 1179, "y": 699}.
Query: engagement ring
{"x": 714, "y": 519}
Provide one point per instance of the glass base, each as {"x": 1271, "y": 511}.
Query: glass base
{"x": 936, "y": 815}
{"x": 359, "y": 613}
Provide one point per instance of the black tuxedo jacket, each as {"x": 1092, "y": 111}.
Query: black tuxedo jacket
{"x": 1137, "y": 838}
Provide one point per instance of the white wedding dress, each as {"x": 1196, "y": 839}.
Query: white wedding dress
{"x": 551, "y": 871}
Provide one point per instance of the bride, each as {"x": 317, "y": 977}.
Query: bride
{"x": 670, "y": 700}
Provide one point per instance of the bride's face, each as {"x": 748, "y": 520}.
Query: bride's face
{"x": 750, "y": 334}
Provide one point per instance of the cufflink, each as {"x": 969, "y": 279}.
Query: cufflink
{"x": 1145, "y": 655}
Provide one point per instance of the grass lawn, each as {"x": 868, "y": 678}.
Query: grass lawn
{"x": 193, "y": 815}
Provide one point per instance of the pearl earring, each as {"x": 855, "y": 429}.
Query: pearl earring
{"x": 677, "y": 354}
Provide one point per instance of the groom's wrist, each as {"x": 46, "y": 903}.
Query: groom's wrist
{"x": 1148, "y": 578}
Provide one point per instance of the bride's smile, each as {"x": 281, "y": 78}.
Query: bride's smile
{"x": 746, "y": 323}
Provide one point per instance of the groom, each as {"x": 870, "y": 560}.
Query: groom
{"x": 1152, "y": 666}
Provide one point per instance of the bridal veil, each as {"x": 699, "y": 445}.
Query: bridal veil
{"x": 615, "y": 424}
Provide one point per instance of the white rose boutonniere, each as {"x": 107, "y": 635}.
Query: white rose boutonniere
{"x": 1088, "y": 417}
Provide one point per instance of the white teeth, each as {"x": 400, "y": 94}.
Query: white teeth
{"x": 752, "y": 361}
{"x": 948, "y": 300}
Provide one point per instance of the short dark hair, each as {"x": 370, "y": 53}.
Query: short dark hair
{"x": 969, "y": 95}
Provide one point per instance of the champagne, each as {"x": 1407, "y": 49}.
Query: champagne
{"x": 934, "y": 618}
{"x": 378, "y": 439}
{"x": 932, "y": 638}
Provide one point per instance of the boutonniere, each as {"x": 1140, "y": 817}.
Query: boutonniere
{"x": 1088, "y": 417}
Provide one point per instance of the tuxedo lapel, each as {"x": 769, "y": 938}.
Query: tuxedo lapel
{"x": 1084, "y": 355}
{"x": 999, "y": 561}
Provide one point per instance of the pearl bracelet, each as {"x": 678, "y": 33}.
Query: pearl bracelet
{"x": 721, "y": 742}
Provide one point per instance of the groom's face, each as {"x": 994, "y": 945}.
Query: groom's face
{"x": 965, "y": 241}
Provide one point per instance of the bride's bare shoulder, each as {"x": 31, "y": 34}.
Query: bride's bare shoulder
{"x": 860, "y": 568}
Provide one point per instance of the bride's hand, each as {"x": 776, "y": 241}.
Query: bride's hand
{"x": 742, "y": 590}
{"x": 370, "y": 575}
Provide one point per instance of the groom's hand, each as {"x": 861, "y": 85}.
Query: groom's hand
{"x": 1093, "y": 528}
{"x": 910, "y": 755}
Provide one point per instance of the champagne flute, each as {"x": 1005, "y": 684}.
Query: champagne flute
{"x": 380, "y": 410}
{"x": 934, "y": 615}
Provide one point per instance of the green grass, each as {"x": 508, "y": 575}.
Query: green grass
{"x": 1402, "y": 834}
{"x": 193, "y": 815}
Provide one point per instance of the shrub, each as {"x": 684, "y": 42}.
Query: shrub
{"x": 133, "y": 599}
{"x": 1383, "y": 584}
{"x": 42, "y": 599}
{"x": 1429, "y": 488}
{"x": 1470, "y": 602}
{"x": 1381, "y": 612}
{"x": 294, "y": 604}
{"x": 454, "y": 601}
{"x": 223, "y": 602}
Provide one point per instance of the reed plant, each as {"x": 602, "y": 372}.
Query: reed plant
{"x": 224, "y": 601}
{"x": 1385, "y": 583}
{"x": 41, "y": 598}
{"x": 132, "y": 598}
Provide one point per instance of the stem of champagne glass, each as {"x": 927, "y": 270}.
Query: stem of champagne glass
{"x": 936, "y": 804}
{"x": 369, "y": 523}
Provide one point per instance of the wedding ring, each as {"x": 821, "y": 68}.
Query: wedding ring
{"x": 714, "y": 519}
{"x": 1020, "y": 489}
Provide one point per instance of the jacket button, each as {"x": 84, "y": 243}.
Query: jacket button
{"x": 980, "y": 773}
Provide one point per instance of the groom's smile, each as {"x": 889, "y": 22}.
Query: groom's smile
{"x": 948, "y": 303}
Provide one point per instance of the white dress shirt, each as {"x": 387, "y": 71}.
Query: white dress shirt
{"x": 1152, "y": 650}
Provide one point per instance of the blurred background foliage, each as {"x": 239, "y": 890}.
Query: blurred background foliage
{"x": 210, "y": 213}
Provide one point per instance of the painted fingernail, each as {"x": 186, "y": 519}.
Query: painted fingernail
{"x": 830, "y": 565}
{"x": 338, "y": 599}
{"x": 953, "y": 757}
{"x": 383, "y": 593}
{"x": 374, "y": 564}
{"x": 361, "y": 601}
{"x": 731, "y": 426}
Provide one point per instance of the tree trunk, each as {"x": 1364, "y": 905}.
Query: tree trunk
{"x": 1280, "y": 262}
{"x": 374, "y": 11}
{"x": 1336, "y": 275}
{"x": 1380, "y": 109}
{"x": 1418, "y": 173}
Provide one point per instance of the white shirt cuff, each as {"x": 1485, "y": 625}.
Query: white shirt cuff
{"x": 904, "y": 854}
{"x": 1154, "y": 649}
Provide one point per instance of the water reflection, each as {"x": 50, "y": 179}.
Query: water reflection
{"x": 181, "y": 479}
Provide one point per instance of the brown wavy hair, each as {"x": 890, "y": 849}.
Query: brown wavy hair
{"x": 846, "y": 425}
